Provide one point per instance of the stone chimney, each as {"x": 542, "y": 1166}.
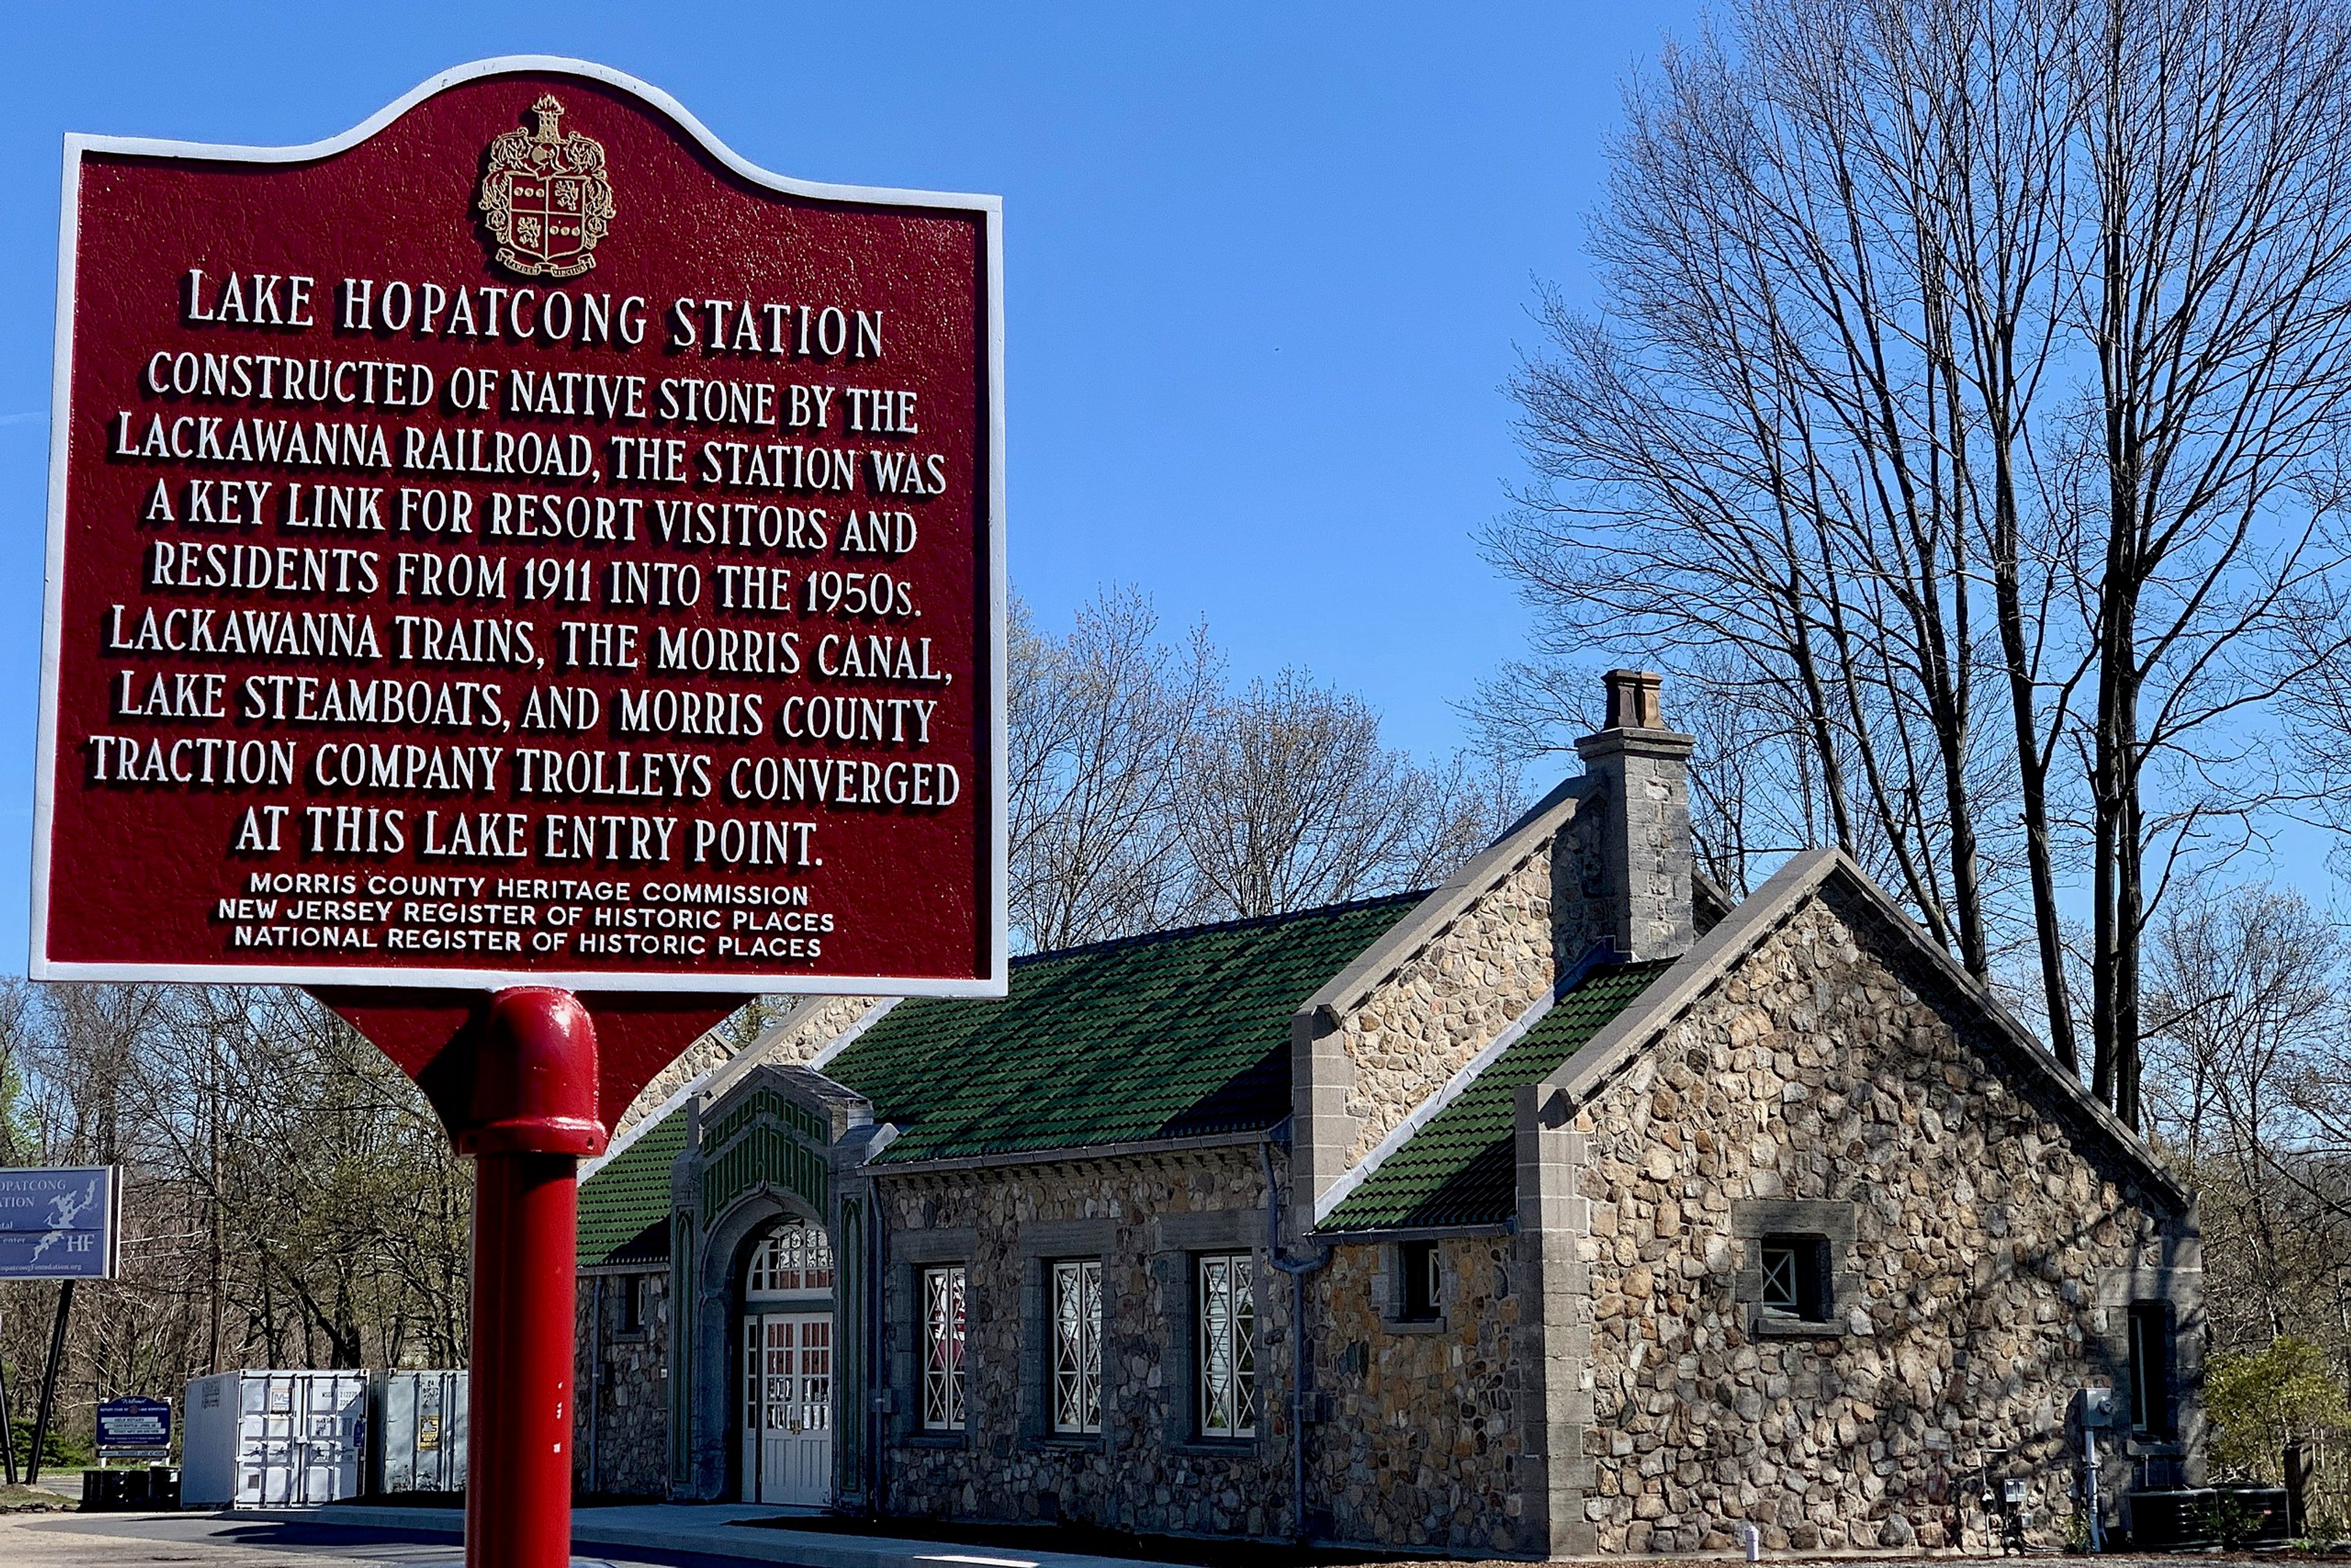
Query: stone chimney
{"x": 1640, "y": 773}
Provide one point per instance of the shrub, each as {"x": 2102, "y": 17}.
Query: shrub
{"x": 2261, "y": 1402}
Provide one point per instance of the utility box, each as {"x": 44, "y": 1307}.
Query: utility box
{"x": 273, "y": 1440}
{"x": 419, "y": 1427}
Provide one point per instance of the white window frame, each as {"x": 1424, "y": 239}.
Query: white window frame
{"x": 792, "y": 1259}
{"x": 945, "y": 1303}
{"x": 1226, "y": 1289}
{"x": 1077, "y": 1346}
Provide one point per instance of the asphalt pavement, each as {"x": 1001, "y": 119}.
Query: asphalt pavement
{"x": 214, "y": 1541}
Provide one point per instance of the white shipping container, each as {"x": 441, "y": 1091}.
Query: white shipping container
{"x": 273, "y": 1440}
{"x": 421, "y": 1417}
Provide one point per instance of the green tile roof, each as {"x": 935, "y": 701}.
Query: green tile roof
{"x": 1179, "y": 1034}
{"x": 1461, "y": 1167}
{"x": 1172, "y": 1035}
{"x": 624, "y": 1207}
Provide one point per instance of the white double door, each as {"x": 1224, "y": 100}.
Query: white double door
{"x": 787, "y": 1407}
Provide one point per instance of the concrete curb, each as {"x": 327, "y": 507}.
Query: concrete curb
{"x": 715, "y": 1538}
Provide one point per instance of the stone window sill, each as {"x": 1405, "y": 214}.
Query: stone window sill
{"x": 1068, "y": 1442}
{"x": 935, "y": 1440}
{"x": 1773, "y": 1325}
{"x": 1413, "y": 1326}
{"x": 1215, "y": 1447}
{"x": 2141, "y": 1445}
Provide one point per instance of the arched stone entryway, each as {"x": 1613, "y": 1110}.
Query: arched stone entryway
{"x": 769, "y": 1200}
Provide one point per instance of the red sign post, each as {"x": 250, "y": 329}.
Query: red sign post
{"x": 531, "y": 576}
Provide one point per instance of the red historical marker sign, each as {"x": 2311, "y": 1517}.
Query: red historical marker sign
{"x": 520, "y": 540}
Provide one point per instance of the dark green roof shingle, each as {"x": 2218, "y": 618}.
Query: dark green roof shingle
{"x": 1461, "y": 1167}
{"x": 1175, "y": 1034}
{"x": 624, "y": 1207}
{"x": 1178, "y": 1034}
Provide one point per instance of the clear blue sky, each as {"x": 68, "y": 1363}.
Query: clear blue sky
{"x": 1267, "y": 267}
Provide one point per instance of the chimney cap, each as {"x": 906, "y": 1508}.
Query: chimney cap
{"x": 1633, "y": 700}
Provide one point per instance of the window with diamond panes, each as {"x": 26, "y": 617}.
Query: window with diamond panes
{"x": 797, "y": 1257}
{"x": 942, "y": 1309}
{"x": 1228, "y": 1346}
{"x": 1077, "y": 1346}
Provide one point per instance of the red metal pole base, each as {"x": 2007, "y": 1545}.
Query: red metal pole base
{"x": 534, "y": 1117}
{"x": 518, "y": 1462}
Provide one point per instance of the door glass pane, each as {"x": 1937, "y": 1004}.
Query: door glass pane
{"x": 816, "y": 1375}
{"x": 750, "y": 1372}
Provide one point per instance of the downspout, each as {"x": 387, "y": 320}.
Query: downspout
{"x": 1300, "y": 1361}
{"x": 595, "y": 1382}
{"x": 877, "y": 1358}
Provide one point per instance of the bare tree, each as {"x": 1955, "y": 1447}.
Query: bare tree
{"x": 1764, "y": 461}
{"x": 2244, "y": 1003}
{"x": 1289, "y": 799}
{"x": 1145, "y": 794}
{"x": 2218, "y": 297}
{"x": 1100, "y": 720}
{"x": 1917, "y": 303}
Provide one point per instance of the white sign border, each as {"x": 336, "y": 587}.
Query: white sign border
{"x": 995, "y": 910}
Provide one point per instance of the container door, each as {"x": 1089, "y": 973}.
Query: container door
{"x": 430, "y": 1433}
{"x": 252, "y": 1440}
{"x": 350, "y": 1456}
{"x": 404, "y": 1419}
{"x": 455, "y": 1391}
{"x": 332, "y": 1438}
{"x": 269, "y": 1469}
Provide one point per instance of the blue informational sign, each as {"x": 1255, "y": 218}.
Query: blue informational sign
{"x": 136, "y": 1425}
{"x": 59, "y": 1222}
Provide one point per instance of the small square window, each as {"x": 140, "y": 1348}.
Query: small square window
{"x": 1796, "y": 1277}
{"x": 633, "y": 1303}
{"x": 1420, "y": 1296}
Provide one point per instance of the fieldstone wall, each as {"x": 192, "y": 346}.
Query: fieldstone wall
{"x": 1474, "y": 977}
{"x": 1146, "y": 1217}
{"x": 1989, "y": 1235}
{"x": 621, "y": 1430}
{"x": 1418, "y": 1423}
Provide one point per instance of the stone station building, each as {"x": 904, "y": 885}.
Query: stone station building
{"x": 1566, "y": 1210}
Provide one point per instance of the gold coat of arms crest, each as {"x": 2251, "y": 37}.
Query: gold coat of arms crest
{"x": 546, "y": 197}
